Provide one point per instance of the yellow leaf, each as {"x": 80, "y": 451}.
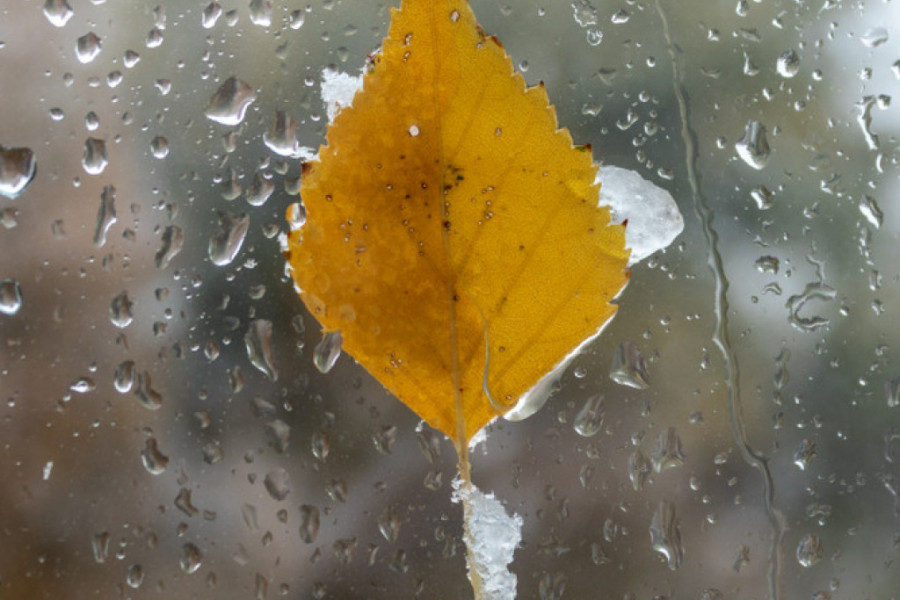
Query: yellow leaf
{"x": 446, "y": 210}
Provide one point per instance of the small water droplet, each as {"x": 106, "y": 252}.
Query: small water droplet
{"x": 261, "y": 12}
{"x": 159, "y": 147}
{"x": 767, "y": 264}
{"x": 58, "y": 12}
{"x": 297, "y": 18}
{"x": 191, "y": 558}
{"x": 629, "y": 368}
{"x": 892, "y": 392}
{"x": 804, "y": 454}
{"x": 106, "y": 215}
{"x": 94, "y": 159}
{"x": 170, "y": 245}
{"x": 667, "y": 452}
{"x": 875, "y": 37}
{"x": 154, "y": 38}
{"x": 665, "y": 535}
{"x": 389, "y": 524}
{"x": 134, "y": 577}
{"x": 100, "y": 546}
{"x": 260, "y": 190}
{"x": 385, "y": 438}
{"x": 296, "y": 216}
{"x": 120, "y": 311}
{"x": 17, "y": 170}
{"x": 88, "y": 47}
{"x": 762, "y": 197}
{"x": 228, "y": 237}
{"x": 638, "y": 469}
{"x": 124, "y": 377}
{"x": 281, "y": 138}
{"x": 788, "y": 64}
{"x": 753, "y": 147}
{"x": 278, "y": 484}
{"x": 869, "y": 208}
{"x": 620, "y": 16}
{"x": 211, "y": 14}
{"x": 278, "y": 434}
{"x": 309, "y": 523}
{"x": 131, "y": 59}
{"x": 328, "y": 351}
{"x": 589, "y": 419}
{"x": 146, "y": 395}
{"x": 258, "y": 341}
{"x": 10, "y": 297}
{"x": 154, "y": 461}
{"x": 230, "y": 102}
{"x": 809, "y": 550}
{"x": 83, "y": 385}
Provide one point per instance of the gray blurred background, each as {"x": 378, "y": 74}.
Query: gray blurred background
{"x": 768, "y": 328}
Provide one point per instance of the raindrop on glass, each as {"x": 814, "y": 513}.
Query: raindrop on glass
{"x": 281, "y": 138}
{"x": 875, "y": 37}
{"x": 228, "y": 237}
{"x": 191, "y": 558}
{"x": 327, "y": 351}
{"x": 788, "y": 64}
{"x": 753, "y": 147}
{"x": 88, "y": 47}
{"x": 10, "y": 297}
{"x": 809, "y": 550}
{"x": 665, "y": 535}
{"x": 58, "y": 12}
{"x": 100, "y": 547}
{"x": 124, "y": 377}
{"x": 146, "y": 395}
{"x": 667, "y": 452}
{"x": 230, "y": 102}
{"x": 869, "y": 208}
{"x": 629, "y": 368}
{"x": 309, "y": 523}
{"x": 261, "y": 12}
{"x": 258, "y": 341}
{"x": 260, "y": 190}
{"x": 154, "y": 38}
{"x": 389, "y": 524}
{"x": 134, "y": 577}
{"x": 17, "y": 170}
{"x": 170, "y": 245}
{"x": 638, "y": 469}
{"x": 120, "y": 311}
{"x": 154, "y": 461}
{"x": 159, "y": 147}
{"x": 106, "y": 215}
{"x": 278, "y": 483}
{"x": 211, "y": 14}
{"x": 385, "y": 438}
{"x": 589, "y": 419}
{"x": 94, "y": 159}
{"x": 804, "y": 454}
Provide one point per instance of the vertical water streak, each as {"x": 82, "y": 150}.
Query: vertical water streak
{"x": 720, "y": 338}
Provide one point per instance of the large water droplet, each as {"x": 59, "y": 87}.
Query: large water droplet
{"x": 278, "y": 483}
{"x": 229, "y": 104}
{"x": 94, "y": 159}
{"x": 309, "y": 523}
{"x": 327, "y": 351}
{"x": 589, "y": 419}
{"x": 788, "y": 63}
{"x": 120, "y": 311}
{"x": 667, "y": 452}
{"x": 124, "y": 377}
{"x": 638, "y": 469}
{"x": 389, "y": 524}
{"x": 58, "y": 12}
{"x": 753, "y": 147}
{"x": 211, "y": 14}
{"x": 170, "y": 245}
{"x": 227, "y": 239}
{"x": 88, "y": 47}
{"x": 260, "y": 190}
{"x": 159, "y": 147}
{"x": 17, "y": 169}
{"x": 281, "y": 138}
{"x": 258, "y": 341}
{"x": 100, "y": 546}
{"x": 191, "y": 558}
{"x": 146, "y": 395}
{"x": 154, "y": 461}
{"x": 261, "y": 12}
{"x": 106, "y": 215}
{"x": 629, "y": 368}
{"x": 134, "y": 577}
{"x": 665, "y": 535}
{"x": 10, "y": 297}
{"x": 809, "y": 550}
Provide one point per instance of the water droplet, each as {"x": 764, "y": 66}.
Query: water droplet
{"x": 278, "y": 434}
{"x": 278, "y": 483}
{"x": 124, "y": 377}
{"x": 91, "y": 121}
{"x": 620, "y": 16}
{"x": 229, "y": 104}
{"x": 10, "y": 297}
{"x": 297, "y": 19}
{"x": 154, "y": 38}
{"x": 146, "y": 395}
{"x": 260, "y": 190}
{"x": 184, "y": 504}
{"x": 83, "y": 385}
{"x": 154, "y": 461}
{"x": 106, "y": 215}
{"x": 328, "y": 351}
{"x": 134, "y": 577}
{"x": 665, "y": 535}
{"x": 804, "y": 454}
{"x": 320, "y": 445}
{"x": 869, "y": 208}
{"x": 131, "y": 59}
{"x": 296, "y": 216}
{"x": 875, "y": 37}
{"x": 17, "y": 169}
{"x": 809, "y": 550}
{"x": 629, "y": 368}
{"x": 228, "y": 237}
{"x": 212, "y": 452}
{"x": 667, "y": 451}
{"x": 638, "y": 469}
{"x": 753, "y": 147}
{"x": 788, "y": 64}
{"x": 94, "y": 159}
{"x": 58, "y": 12}
{"x": 170, "y": 245}
{"x": 258, "y": 341}
{"x": 385, "y": 438}
{"x": 337, "y": 490}
{"x": 767, "y": 264}
{"x": 589, "y": 419}
{"x": 88, "y": 47}
{"x": 762, "y": 197}
{"x": 100, "y": 547}
{"x": 309, "y": 523}
{"x": 120, "y": 311}
{"x": 389, "y": 524}
{"x": 261, "y": 12}
{"x": 159, "y": 147}
{"x": 343, "y": 550}
{"x": 594, "y": 36}
{"x": 892, "y": 392}
{"x": 281, "y": 138}
{"x": 191, "y": 558}
{"x": 211, "y": 14}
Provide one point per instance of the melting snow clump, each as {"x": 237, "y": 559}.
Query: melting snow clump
{"x": 653, "y": 217}
{"x": 338, "y": 90}
{"x": 492, "y": 536}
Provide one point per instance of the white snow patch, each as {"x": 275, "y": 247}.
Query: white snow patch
{"x": 653, "y": 217}
{"x": 338, "y": 90}
{"x": 492, "y": 537}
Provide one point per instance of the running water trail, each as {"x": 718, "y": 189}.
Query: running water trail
{"x": 705, "y": 215}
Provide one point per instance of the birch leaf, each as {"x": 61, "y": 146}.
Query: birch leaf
{"x": 453, "y": 233}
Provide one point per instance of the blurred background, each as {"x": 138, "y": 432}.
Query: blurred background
{"x": 748, "y": 446}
